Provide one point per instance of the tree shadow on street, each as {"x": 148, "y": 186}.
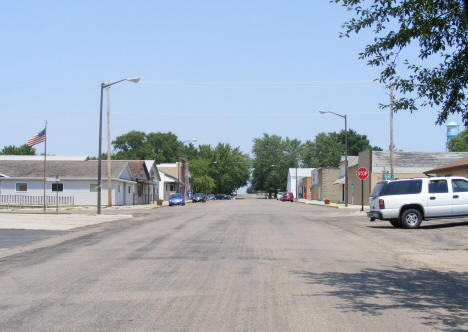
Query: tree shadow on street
{"x": 440, "y": 298}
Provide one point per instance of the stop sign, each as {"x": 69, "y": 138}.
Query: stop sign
{"x": 362, "y": 173}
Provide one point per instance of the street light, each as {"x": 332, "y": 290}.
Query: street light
{"x": 346, "y": 150}
{"x": 109, "y": 192}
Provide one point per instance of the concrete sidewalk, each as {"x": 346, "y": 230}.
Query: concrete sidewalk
{"x": 62, "y": 222}
{"x": 354, "y": 208}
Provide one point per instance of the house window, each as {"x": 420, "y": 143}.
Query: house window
{"x": 129, "y": 189}
{"x": 118, "y": 188}
{"x": 93, "y": 188}
{"x": 57, "y": 186}
{"x": 21, "y": 187}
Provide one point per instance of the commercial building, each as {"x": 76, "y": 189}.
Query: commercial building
{"x": 295, "y": 176}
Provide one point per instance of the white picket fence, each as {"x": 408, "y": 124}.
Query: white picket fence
{"x": 36, "y": 200}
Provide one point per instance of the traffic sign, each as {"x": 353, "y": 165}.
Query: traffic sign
{"x": 362, "y": 173}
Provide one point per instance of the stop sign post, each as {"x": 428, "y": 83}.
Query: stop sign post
{"x": 362, "y": 173}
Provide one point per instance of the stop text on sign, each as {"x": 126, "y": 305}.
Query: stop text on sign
{"x": 362, "y": 173}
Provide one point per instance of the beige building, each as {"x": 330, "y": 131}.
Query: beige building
{"x": 322, "y": 186}
{"x": 456, "y": 168}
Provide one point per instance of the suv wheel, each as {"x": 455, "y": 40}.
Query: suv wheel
{"x": 411, "y": 218}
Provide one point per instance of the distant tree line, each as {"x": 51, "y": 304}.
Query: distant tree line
{"x": 274, "y": 155}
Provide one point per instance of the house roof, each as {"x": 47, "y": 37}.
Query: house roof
{"x": 166, "y": 178}
{"x": 460, "y": 163}
{"x": 151, "y": 163}
{"x": 413, "y": 162}
{"x": 171, "y": 171}
{"x": 38, "y": 157}
{"x": 64, "y": 169}
{"x": 135, "y": 166}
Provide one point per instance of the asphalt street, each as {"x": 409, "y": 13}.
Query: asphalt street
{"x": 242, "y": 265}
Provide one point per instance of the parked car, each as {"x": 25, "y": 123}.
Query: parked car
{"x": 279, "y": 195}
{"x": 220, "y": 196}
{"x": 210, "y": 197}
{"x": 406, "y": 203}
{"x": 199, "y": 197}
{"x": 287, "y": 197}
{"x": 176, "y": 199}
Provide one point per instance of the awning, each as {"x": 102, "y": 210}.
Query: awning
{"x": 144, "y": 181}
{"x": 340, "y": 181}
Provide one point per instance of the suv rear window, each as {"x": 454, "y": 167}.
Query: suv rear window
{"x": 402, "y": 188}
{"x": 378, "y": 187}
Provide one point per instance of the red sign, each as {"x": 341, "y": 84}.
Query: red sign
{"x": 362, "y": 173}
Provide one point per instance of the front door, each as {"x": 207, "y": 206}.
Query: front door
{"x": 459, "y": 197}
{"x": 439, "y": 200}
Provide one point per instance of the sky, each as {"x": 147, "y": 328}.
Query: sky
{"x": 218, "y": 71}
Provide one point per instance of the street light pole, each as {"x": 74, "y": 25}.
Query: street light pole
{"x": 109, "y": 177}
{"x": 100, "y": 154}
{"x": 346, "y": 151}
{"x": 99, "y": 187}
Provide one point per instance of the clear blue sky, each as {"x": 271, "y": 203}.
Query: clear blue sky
{"x": 221, "y": 71}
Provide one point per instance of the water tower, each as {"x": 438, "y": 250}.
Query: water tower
{"x": 452, "y": 130}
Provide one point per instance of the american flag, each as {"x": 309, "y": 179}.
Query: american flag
{"x": 38, "y": 138}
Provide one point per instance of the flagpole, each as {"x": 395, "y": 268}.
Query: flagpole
{"x": 45, "y": 163}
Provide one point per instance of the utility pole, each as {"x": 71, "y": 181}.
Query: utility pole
{"x": 391, "y": 131}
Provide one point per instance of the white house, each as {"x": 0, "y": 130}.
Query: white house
{"x": 175, "y": 177}
{"x": 167, "y": 185}
{"x": 295, "y": 176}
{"x": 77, "y": 180}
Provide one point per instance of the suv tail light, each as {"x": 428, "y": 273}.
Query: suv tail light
{"x": 381, "y": 204}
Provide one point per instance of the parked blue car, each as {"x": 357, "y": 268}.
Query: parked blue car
{"x": 176, "y": 199}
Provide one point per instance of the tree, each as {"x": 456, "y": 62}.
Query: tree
{"x": 21, "y": 150}
{"x": 165, "y": 146}
{"x": 231, "y": 168}
{"x": 273, "y": 156}
{"x": 327, "y": 148}
{"x": 459, "y": 143}
{"x": 201, "y": 181}
{"x": 137, "y": 145}
{"x": 437, "y": 75}
{"x": 223, "y": 169}
{"x": 133, "y": 146}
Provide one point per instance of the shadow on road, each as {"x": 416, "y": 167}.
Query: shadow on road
{"x": 445, "y": 225}
{"x": 441, "y": 299}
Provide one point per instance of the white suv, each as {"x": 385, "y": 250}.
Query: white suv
{"x": 405, "y": 203}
